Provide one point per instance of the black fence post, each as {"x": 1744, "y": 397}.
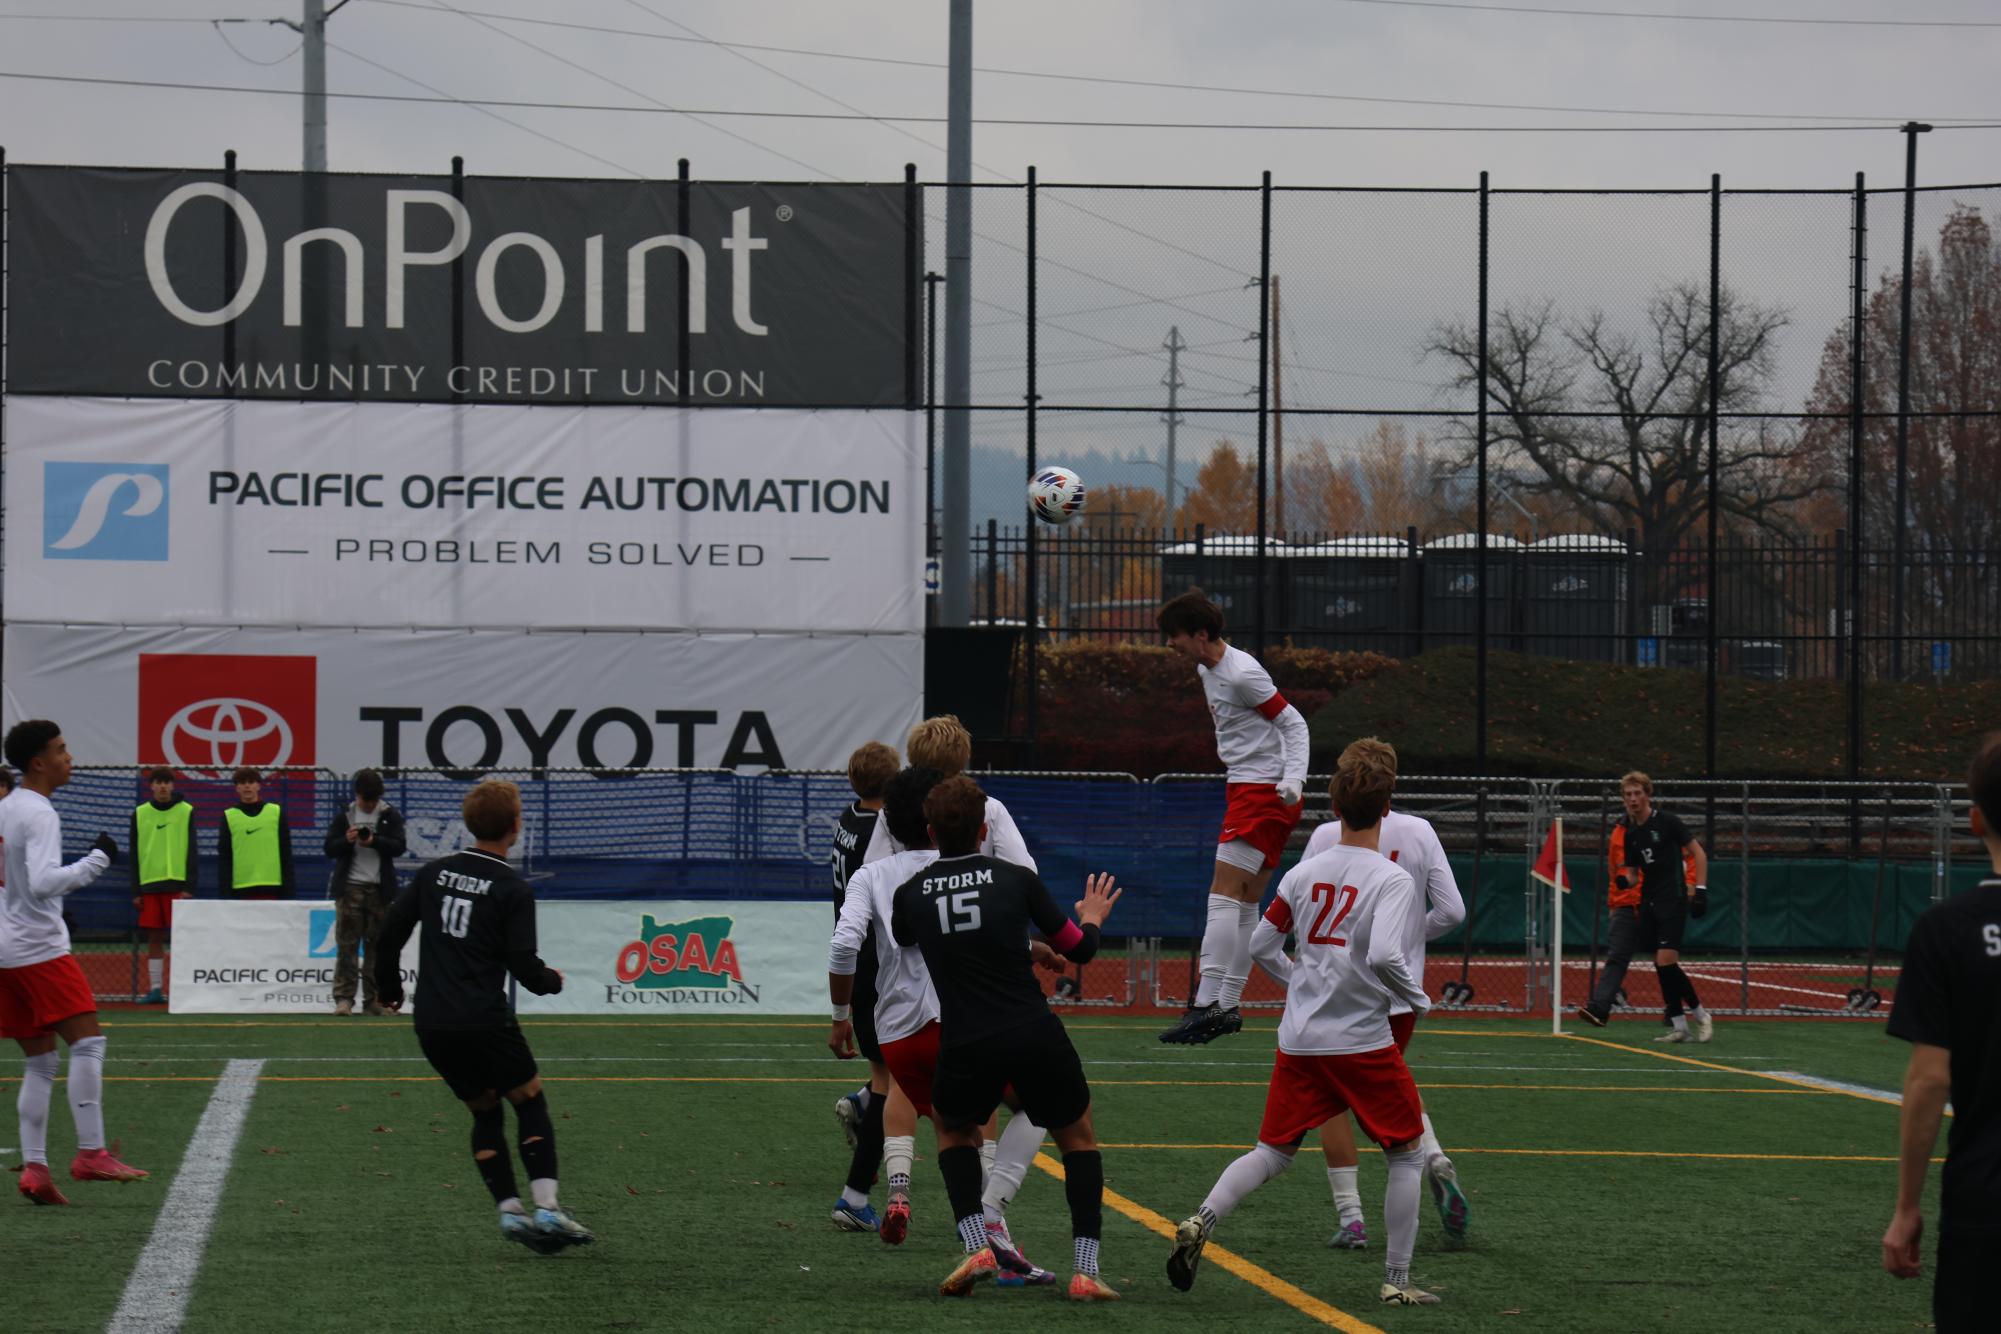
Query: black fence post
{"x": 683, "y": 336}
{"x": 931, "y": 281}
{"x": 913, "y": 266}
{"x": 1912, "y": 129}
{"x": 229, "y": 264}
{"x": 1032, "y": 609}
{"x": 459, "y": 280}
{"x": 1714, "y": 504}
{"x": 1480, "y": 512}
{"x": 993, "y": 571}
{"x": 1259, "y": 567}
{"x": 1852, "y": 626}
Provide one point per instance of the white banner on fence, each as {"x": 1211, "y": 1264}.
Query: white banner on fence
{"x": 683, "y": 958}
{"x": 258, "y": 958}
{"x": 617, "y": 958}
{"x": 217, "y": 512}
{"x": 218, "y": 698}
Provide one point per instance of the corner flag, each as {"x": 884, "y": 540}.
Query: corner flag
{"x": 1549, "y": 867}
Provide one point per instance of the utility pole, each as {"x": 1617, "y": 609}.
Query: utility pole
{"x": 955, "y": 566}
{"x": 312, "y": 30}
{"x": 1174, "y": 346}
{"x": 1277, "y": 417}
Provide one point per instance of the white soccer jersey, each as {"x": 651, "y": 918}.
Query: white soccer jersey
{"x": 904, "y": 998}
{"x": 31, "y": 897}
{"x": 1003, "y": 839}
{"x": 1411, "y": 843}
{"x": 1347, "y": 909}
{"x": 1256, "y": 739}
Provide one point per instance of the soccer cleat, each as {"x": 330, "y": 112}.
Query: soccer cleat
{"x": 895, "y": 1221}
{"x": 557, "y": 1226}
{"x": 1675, "y": 1035}
{"x": 1705, "y": 1027}
{"x": 1407, "y": 1296}
{"x": 1205, "y": 1025}
{"x": 1189, "y": 1239}
{"x": 980, "y": 1264}
{"x": 154, "y": 997}
{"x": 848, "y": 1111}
{"x": 1036, "y": 1277}
{"x": 1453, "y": 1211}
{"x": 103, "y": 1165}
{"x": 1090, "y": 1288}
{"x": 1349, "y": 1237}
{"x": 849, "y": 1218}
{"x": 1591, "y": 1016}
{"x": 521, "y": 1228}
{"x": 37, "y": 1186}
{"x": 1010, "y": 1260}
{"x": 1178, "y": 1031}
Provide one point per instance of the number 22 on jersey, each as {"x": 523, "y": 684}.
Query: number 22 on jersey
{"x": 1327, "y": 897}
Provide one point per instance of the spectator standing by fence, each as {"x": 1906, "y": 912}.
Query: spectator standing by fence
{"x": 365, "y": 840}
{"x": 163, "y": 869}
{"x": 253, "y": 856}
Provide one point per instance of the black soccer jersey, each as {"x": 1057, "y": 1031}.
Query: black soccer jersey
{"x": 478, "y": 922}
{"x": 1653, "y": 851}
{"x": 851, "y": 836}
{"x": 1950, "y": 996}
{"x": 971, "y": 917}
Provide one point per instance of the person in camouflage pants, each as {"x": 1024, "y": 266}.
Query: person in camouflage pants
{"x": 365, "y": 840}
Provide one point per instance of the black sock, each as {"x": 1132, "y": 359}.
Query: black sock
{"x": 868, "y": 1148}
{"x": 489, "y": 1132}
{"x": 1084, "y": 1188}
{"x": 536, "y": 1134}
{"x": 1688, "y": 995}
{"x": 1674, "y": 987}
{"x": 960, "y": 1166}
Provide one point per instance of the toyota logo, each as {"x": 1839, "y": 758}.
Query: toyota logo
{"x": 227, "y": 728}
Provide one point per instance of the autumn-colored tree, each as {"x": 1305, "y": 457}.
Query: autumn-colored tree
{"x": 1224, "y": 498}
{"x": 1122, "y": 508}
{"x": 1321, "y": 493}
{"x": 1397, "y": 477}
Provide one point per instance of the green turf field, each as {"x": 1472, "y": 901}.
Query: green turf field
{"x": 1612, "y": 1188}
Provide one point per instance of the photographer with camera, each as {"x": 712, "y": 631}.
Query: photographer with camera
{"x": 364, "y": 840}
{"x": 1659, "y": 881}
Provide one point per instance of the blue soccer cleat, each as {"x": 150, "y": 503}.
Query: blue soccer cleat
{"x": 154, "y": 997}
{"x": 849, "y": 1218}
{"x": 849, "y": 1112}
{"x": 558, "y": 1227}
{"x": 521, "y": 1228}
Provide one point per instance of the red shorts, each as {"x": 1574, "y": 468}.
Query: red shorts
{"x": 1400, "y": 1028}
{"x": 1256, "y": 815}
{"x": 34, "y": 999}
{"x": 912, "y": 1061}
{"x": 156, "y": 911}
{"x": 1308, "y": 1091}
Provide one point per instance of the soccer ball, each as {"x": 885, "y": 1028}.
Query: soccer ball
{"x": 1055, "y": 494}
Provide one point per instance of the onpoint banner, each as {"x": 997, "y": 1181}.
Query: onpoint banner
{"x": 426, "y": 289}
{"x": 210, "y": 699}
{"x": 693, "y": 957}
{"x": 176, "y": 511}
{"x": 258, "y": 957}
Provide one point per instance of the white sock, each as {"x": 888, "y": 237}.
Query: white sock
{"x": 1019, "y": 1142}
{"x": 1347, "y": 1194}
{"x": 1434, "y": 1156}
{"x": 897, "y": 1152}
{"x": 1219, "y": 946}
{"x": 155, "y": 971}
{"x": 853, "y": 1198}
{"x": 1242, "y": 1177}
{"x": 544, "y": 1191}
{"x": 38, "y": 1087}
{"x": 1680, "y": 1021}
{"x": 1400, "y": 1207}
{"x": 1697, "y": 1012}
{"x": 512, "y": 1205}
{"x": 1238, "y": 970}
{"x": 86, "y": 1091}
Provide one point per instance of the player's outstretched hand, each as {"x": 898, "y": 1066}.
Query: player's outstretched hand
{"x": 1100, "y": 893}
{"x": 1900, "y": 1243}
{"x": 105, "y": 845}
{"x": 841, "y": 1039}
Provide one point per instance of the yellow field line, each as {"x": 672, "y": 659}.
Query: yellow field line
{"x": 1590, "y": 1153}
{"x": 1733, "y": 1070}
{"x": 1262, "y": 1279}
{"x": 850, "y": 1079}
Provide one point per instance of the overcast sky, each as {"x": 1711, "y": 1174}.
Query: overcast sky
{"x": 1366, "y": 280}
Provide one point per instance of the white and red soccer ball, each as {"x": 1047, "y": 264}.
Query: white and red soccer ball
{"x": 1055, "y": 494}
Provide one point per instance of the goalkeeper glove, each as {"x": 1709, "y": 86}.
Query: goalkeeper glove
{"x": 1290, "y": 792}
{"x": 107, "y": 847}
{"x": 1698, "y": 902}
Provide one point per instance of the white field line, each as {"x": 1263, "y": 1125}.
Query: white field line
{"x": 157, "y": 1293}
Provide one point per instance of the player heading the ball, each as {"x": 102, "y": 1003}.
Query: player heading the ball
{"x": 1262, "y": 742}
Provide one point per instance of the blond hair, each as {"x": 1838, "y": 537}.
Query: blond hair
{"x": 1634, "y": 778}
{"x": 940, "y": 743}
{"x": 1363, "y": 779}
{"x": 491, "y": 809}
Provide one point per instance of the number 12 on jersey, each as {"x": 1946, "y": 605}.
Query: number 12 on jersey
{"x": 1327, "y": 896}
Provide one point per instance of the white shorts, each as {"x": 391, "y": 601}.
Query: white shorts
{"x": 1242, "y": 855}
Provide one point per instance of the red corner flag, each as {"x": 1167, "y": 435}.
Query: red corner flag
{"x": 1549, "y": 866}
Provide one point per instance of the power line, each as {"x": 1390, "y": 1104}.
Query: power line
{"x": 1679, "y": 18}
{"x": 1172, "y": 85}
{"x": 518, "y": 104}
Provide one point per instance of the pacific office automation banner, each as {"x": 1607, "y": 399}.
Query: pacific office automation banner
{"x": 281, "y": 285}
{"x": 258, "y": 958}
{"x": 683, "y": 957}
{"x": 469, "y": 701}
{"x": 151, "y": 511}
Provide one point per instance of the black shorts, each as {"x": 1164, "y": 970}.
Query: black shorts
{"x": 477, "y": 1061}
{"x": 1037, "y": 1059}
{"x": 862, "y": 1002}
{"x": 1962, "y": 1287}
{"x": 1661, "y": 927}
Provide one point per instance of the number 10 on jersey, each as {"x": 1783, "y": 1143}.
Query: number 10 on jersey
{"x": 457, "y": 916}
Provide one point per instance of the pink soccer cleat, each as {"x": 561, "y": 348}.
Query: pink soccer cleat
{"x": 36, "y": 1185}
{"x": 103, "y": 1165}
